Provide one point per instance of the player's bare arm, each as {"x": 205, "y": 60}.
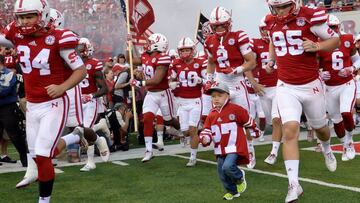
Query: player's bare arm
{"x": 100, "y": 82}
{"x": 271, "y": 63}
{"x": 160, "y": 73}
{"x": 258, "y": 88}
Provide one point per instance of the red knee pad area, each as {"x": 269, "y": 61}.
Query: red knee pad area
{"x": 148, "y": 124}
{"x": 159, "y": 120}
{"x": 45, "y": 168}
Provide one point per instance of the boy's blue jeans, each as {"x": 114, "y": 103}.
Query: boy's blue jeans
{"x": 228, "y": 171}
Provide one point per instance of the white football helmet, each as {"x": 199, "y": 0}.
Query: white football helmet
{"x": 220, "y": 16}
{"x": 85, "y": 47}
{"x": 157, "y": 42}
{"x": 56, "y": 18}
{"x": 333, "y": 22}
{"x": 276, "y": 3}
{"x": 186, "y": 43}
{"x": 357, "y": 41}
{"x": 262, "y": 28}
{"x": 39, "y": 7}
{"x": 357, "y": 38}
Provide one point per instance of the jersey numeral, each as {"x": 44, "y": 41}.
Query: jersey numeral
{"x": 187, "y": 79}
{"x": 222, "y": 58}
{"x": 41, "y": 61}
{"x": 337, "y": 60}
{"x": 85, "y": 82}
{"x": 290, "y": 42}
{"x": 225, "y": 128}
{"x": 148, "y": 72}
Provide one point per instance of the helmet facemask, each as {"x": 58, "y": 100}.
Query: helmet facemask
{"x": 28, "y": 28}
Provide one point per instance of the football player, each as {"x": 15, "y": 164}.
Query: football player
{"x": 186, "y": 75}
{"x": 269, "y": 79}
{"x": 229, "y": 56}
{"x": 42, "y": 53}
{"x": 338, "y": 67}
{"x": 92, "y": 88}
{"x": 294, "y": 31}
{"x": 155, "y": 64}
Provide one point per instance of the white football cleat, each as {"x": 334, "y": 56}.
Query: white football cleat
{"x": 350, "y": 151}
{"x": 252, "y": 160}
{"x": 330, "y": 161}
{"x": 294, "y": 191}
{"x": 261, "y": 138}
{"x": 88, "y": 167}
{"x": 31, "y": 174}
{"x": 271, "y": 159}
{"x": 158, "y": 146}
{"x": 191, "y": 163}
{"x": 103, "y": 149}
{"x": 344, "y": 156}
{"x": 102, "y": 125}
{"x": 80, "y": 131}
{"x": 148, "y": 156}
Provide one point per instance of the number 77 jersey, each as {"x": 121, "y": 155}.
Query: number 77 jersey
{"x": 40, "y": 59}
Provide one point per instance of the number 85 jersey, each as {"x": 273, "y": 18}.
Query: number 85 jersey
{"x": 41, "y": 61}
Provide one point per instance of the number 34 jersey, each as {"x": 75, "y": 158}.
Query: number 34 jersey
{"x": 295, "y": 66}
{"x": 186, "y": 74}
{"x": 338, "y": 59}
{"x": 40, "y": 59}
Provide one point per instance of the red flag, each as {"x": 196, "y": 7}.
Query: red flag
{"x": 141, "y": 15}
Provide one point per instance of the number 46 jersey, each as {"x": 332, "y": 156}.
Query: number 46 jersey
{"x": 186, "y": 74}
{"x": 40, "y": 59}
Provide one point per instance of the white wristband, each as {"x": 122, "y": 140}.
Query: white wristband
{"x": 239, "y": 69}
{"x": 143, "y": 83}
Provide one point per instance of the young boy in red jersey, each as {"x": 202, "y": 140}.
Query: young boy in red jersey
{"x": 225, "y": 126}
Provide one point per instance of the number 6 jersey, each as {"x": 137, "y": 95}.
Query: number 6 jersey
{"x": 40, "y": 59}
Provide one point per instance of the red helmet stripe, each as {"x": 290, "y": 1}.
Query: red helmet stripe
{"x": 20, "y": 3}
{"x": 217, "y": 13}
{"x": 184, "y": 42}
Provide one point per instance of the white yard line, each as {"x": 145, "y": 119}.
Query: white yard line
{"x": 121, "y": 163}
{"x": 308, "y": 180}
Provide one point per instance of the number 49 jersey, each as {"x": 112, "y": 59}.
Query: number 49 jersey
{"x": 40, "y": 59}
{"x": 88, "y": 85}
{"x": 185, "y": 74}
{"x": 295, "y": 66}
{"x": 338, "y": 59}
{"x": 150, "y": 64}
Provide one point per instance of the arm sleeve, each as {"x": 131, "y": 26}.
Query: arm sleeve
{"x": 323, "y": 31}
{"x": 122, "y": 78}
{"x": 71, "y": 58}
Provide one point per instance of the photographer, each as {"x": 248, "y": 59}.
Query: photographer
{"x": 118, "y": 118}
{"x": 9, "y": 110}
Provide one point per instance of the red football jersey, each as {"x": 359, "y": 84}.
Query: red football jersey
{"x": 185, "y": 73}
{"x": 261, "y": 48}
{"x": 40, "y": 59}
{"x": 338, "y": 59}
{"x": 228, "y": 130}
{"x": 295, "y": 66}
{"x": 10, "y": 62}
{"x": 150, "y": 63}
{"x": 88, "y": 85}
{"x": 226, "y": 55}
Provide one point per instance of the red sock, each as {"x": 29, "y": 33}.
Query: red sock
{"x": 262, "y": 123}
{"x": 148, "y": 124}
{"x": 348, "y": 121}
{"x": 339, "y": 129}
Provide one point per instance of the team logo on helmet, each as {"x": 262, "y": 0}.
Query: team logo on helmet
{"x": 196, "y": 65}
{"x": 347, "y": 44}
{"x": 231, "y": 117}
{"x": 300, "y": 21}
{"x": 231, "y": 41}
{"x": 50, "y": 40}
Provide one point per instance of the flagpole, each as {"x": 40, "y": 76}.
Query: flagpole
{"x": 130, "y": 47}
{"x": 197, "y": 24}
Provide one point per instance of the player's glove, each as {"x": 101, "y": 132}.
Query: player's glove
{"x": 137, "y": 83}
{"x": 325, "y": 75}
{"x": 173, "y": 85}
{"x": 255, "y": 132}
{"x": 198, "y": 80}
{"x": 85, "y": 98}
{"x": 346, "y": 72}
{"x": 238, "y": 70}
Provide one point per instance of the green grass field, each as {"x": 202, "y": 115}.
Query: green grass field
{"x": 166, "y": 179}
